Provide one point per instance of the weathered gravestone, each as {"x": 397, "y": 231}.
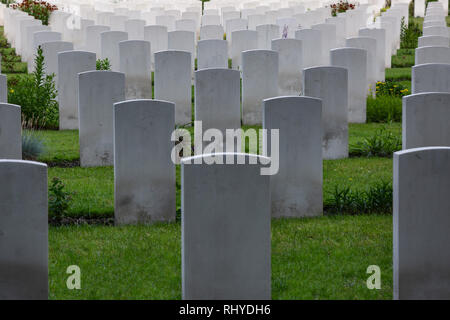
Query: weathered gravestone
{"x": 330, "y": 84}
{"x": 312, "y": 44}
{"x": 217, "y": 100}
{"x": 50, "y": 51}
{"x": 259, "y": 82}
{"x": 182, "y": 41}
{"x": 380, "y": 36}
{"x": 70, "y": 63}
{"x": 3, "y": 88}
{"x": 135, "y": 63}
{"x": 421, "y": 222}
{"x": 158, "y": 38}
{"x": 10, "y": 131}
{"x": 173, "y": 82}
{"x": 93, "y": 43}
{"x": 355, "y": 60}
{"x": 135, "y": 29}
{"x": 109, "y": 41}
{"x": 98, "y": 91}
{"x": 430, "y": 77}
{"x": 225, "y": 239}
{"x": 296, "y": 190}
{"x": 290, "y": 57}
{"x": 212, "y": 53}
{"x": 144, "y": 174}
{"x": 242, "y": 40}
{"x": 370, "y": 45}
{"x": 211, "y": 32}
{"x": 439, "y": 41}
{"x": 38, "y": 39}
{"x": 425, "y": 120}
{"x": 23, "y": 230}
{"x": 266, "y": 33}
{"x": 432, "y": 54}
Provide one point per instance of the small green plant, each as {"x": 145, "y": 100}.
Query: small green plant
{"x": 384, "y": 108}
{"x": 36, "y": 94}
{"x": 391, "y": 88}
{"x": 375, "y": 200}
{"x": 32, "y": 146}
{"x": 382, "y": 144}
{"x": 103, "y": 64}
{"x": 409, "y": 34}
{"x": 58, "y": 199}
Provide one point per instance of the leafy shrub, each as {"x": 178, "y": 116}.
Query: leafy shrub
{"x": 36, "y": 94}
{"x": 409, "y": 35}
{"x": 103, "y": 64}
{"x": 32, "y": 146}
{"x": 58, "y": 199}
{"x": 382, "y": 144}
{"x": 391, "y": 88}
{"x": 39, "y": 9}
{"x": 384, "y": 108}
{"x": 377, "y": 199}
{"x": 341, "y": 6}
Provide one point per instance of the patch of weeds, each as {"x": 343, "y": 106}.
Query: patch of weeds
{"x": 377, "y": 199}
{"x": 382, "y": 144}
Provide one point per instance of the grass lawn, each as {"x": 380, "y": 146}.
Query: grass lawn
{"x": 398, "y": 74}
{"x": 319, "y": 258}
{"x": 94, "y": 187}
{"x": 314, "y": 258}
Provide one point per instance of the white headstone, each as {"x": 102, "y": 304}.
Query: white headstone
{"x": 135, "y": 63}
{"x": 425, "y": 120}
{"x": 158, "y": 38}
{"x": 296, "y": 190}
{"x": 24, "y": 230}
{"x": 184, "y": 41}
{"x": 217, "y": 99}
{"x": 135, "y": 29}
{"x": 70, "y": 63}
{"x": 312, "y": 46}
{"x": 259, "y": 82}
{"x": 50, "y": 51}
{"x": 421, "y": 223}
{"x": 212, "y": 53}
{"x": 430, "y": 77}
{"x": 109, "y": 42}
{"x": 432, "y": 55}
{"x": 93, "y": 43}
{"x": 214, "y": 196}
{"x": 98, "y": 91}
{"x": 173, "y": 82}
{"x": 266, "y": 33}
{"x": 290, "y": 57}
{"x": 144, "y": 175}
{"x": 355, "y": 60}
{"x": 242, "y": 40}
{"x": 211, "y": 32}
{"x": 434, "y": 41}
{"x": 10, "y": 131}
{"x": 370, "y": 45}
{"x": 331, "y": 85}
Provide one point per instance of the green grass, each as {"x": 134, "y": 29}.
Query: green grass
{"x": 398, "y": 74}
{"x": 59, "y": 145}
{"x": 319, "y": 258}
{"x": 94, "y": 187}
{"x": 403, "y": 59}
{"x": 10, "y": 62}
